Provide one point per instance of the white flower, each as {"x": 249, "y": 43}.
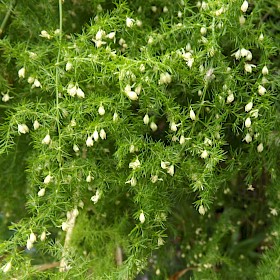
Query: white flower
{"x": 29, "y": 244}
{"x": 41, "y": 192}
{"x": 89, "y": 142}
{"x": 111, "y": 35}
{"x": 142, "y": 68}
{"x": 242, "y": 20}
{"x": 165, "y": 9}
{"x": 244, "y": 6}
{"x": 132, "y": 149}
{"x": 102, "y": 134}
{"x": 261, "y": 37}
{"x": 76, "y": 148}
{"x": 32, "y": 237}
{"x": 43, "y": 236}
{"x": 249, "y": 56}
{"x": 21, "y": 72}
{"x": 248, "y": 138}
{"x": 182, "y": 139}
{"x": 45, "y": 34}
{"x": 95, "y": 135}
{"x": 30, "y": 80}
{"x": 230, "y": 98}
{"x": 129, "y": 22}
{"x": 100, "y": 34}
{"x": 173, "y": 126}
{"x": 23, "y": 128}
{"x": 203, "y": 30}
{"x": 36, "y": 125}
{"x": 142, "y": 218}
{"x": 154, "y": 178}
{"x": 248, "y": 122}
{"x": 89, "y": 178}
{"x": 261, "y": 90}
{"x": 265, "y": 70}
{"x": 260, "y": 147}
{"x": 68, "y": 66}
{"x": 134, "y": 164}
{"x": 146, "y": 119}
{"x": 6, "y": 97}
{"x": 96, "y": 197}
{"x": 201, "y": 210}
{"x": 170, "y": 170}
{"x": 249, "y": 106}
{"x": 115, "y": 117}
{"x": 150, "y": 40}
{"x": 165, "y": 78}
{"x": 101, "y": 110}
{"x": 237, "y": 54}
{"x": 80, "y": 93}
{"x": 36, "y": 84}
{"x": 273, "y": 211}
{"x": 153, "y": 126}
{"x": 164, "y": 164}
{"x": 132, "y": 95}
{"x": 219, "y": 12}
{"x": 192, "y": 114}
{"x": 204, "y": 154}
{"x": 99, "y": 43}
{"x": 248, "y": 67}
{"x": 255, "y": 113}
{"x": 7, "y": 267}
{"x": 47, "y": 179}
{"x": 132, "y": 182}
{"x": 47, "y": 140}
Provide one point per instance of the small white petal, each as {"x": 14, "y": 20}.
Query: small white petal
{"x": 248, "y": 122}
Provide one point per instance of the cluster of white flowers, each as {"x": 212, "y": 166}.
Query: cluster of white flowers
{"x": 187, "y": 56}
{"x": 98, "y": 38}
{"x": 73, "y": 90}
{"x": 243, "y": 53}
{"x": 165, "y": 78}
{"x": 132, "y": 95}
{"x": 30, "y": 241}
{"x": 170, "y": 169}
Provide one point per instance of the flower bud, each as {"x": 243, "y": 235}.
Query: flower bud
{"x": 21, "y": 72}
{"x": 192, "y": 114}
{"x": 248, "y": 138}
{"x": 111, "y": 35}
{"x": 23, "y": 128}
{"x": 261, "y": 90}
{"x": 146, "y": 119}
{"x": 173, "y": 126}
{"x": 204, "y": 154}
{"x": 68, "y": 66}
{"x": 248, "y": 122}
{"x": 29, "y": 245}
{"x": 142, "y": 218}
{"x": 153, "y": 126}
{"x": 230, "y": 98}
{"x": 265, "y": 70}
{"x": 102, "y": 134}
{"x": 47, "y": 140}
{"x": 89, "y": 142}
{"x": 36, "y": 125}
{"x": 95, "y": 135}
{"x": 43, "y": 236}
{"x": 249, "y": 106}
{"x": 201, "y": 210}
{"x": 76, "y": 148}
{"x": 32, "y": 237}
{"x": 115, "y": 117}
{"x": 96, "y": 197}
{"x": 132, "y": 95}
{"x": 7, "y": 267}
{"x": 80, "y": 93}
{"x": 41, "y": 192}
{"x": 244, "y": 6}
{"x": 203, "y": 30}
{"x": 260, "y": 147}
{"x": 101, "y": 111}
{"x": 47, "y": 179}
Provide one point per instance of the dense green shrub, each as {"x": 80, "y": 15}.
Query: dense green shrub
{"x": 139, "y": 139}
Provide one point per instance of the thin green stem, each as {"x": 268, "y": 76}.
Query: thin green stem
{"x": 57, "y": 81}
{"x": 7, "y": 16}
